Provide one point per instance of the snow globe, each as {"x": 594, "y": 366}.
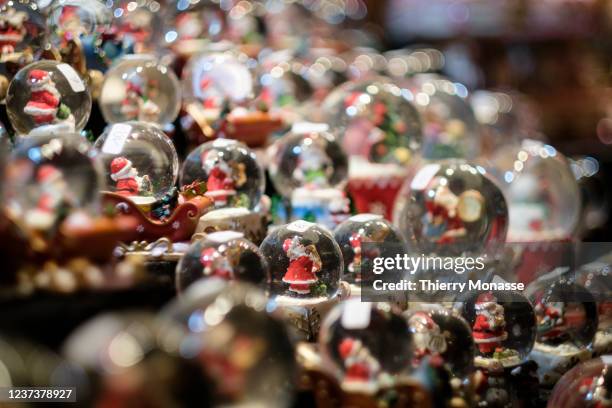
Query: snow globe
{"x": 22, "y": 37}
{"x": 366, "y": 346}
{"x": 79, "y": 31}
{"x": 113, "y": 347}
{"x": 542, "y": 193}
{"x": 450, "y": 129}
{"x": 225, "y": 255}
{"x": 281, "y": 88}
{"x": 452, "y": 208}
{"x": 139, "y": 160}
{"x": 595, "y": 277}
{"x": 380, "y": 130}
{"x": 226, "y": 171}
{"x": 139, "y": 25}
{"x": 504, "y": 329}
{"x": 244, "y": 348}
{"x": 566, "y": 315}
{"x": 48, "y": 97}
{"x": 309, "y": 168}
{"x": 49, "y": 179}
{"x": 363, "y": 237}
{"x": 191, "y": 25}
{"x": 442, "y": 336}
{"x": 139, "y": 87}
{"x": 588, "y": 385}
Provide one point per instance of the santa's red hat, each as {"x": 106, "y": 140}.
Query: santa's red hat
{"x": 120, "y": 168}
{"x": 484, "y": 300}
{"x": 422, "y": 322}
{"x": 290, "y": 243}
{"x": 355, "y": 240}
{"x": 47, "y": 173}
{"x": 207, "y": 256}
{"x": 38, "y": 77}
{"x": 348, "y": 347}
{"x": 134, "y": 87}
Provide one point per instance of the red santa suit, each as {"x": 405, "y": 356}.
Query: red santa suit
{"x": 125, "y": 175}
{"x": 12, "y": 30}
{"x": 49, "y": 179}
{"x": 360, "y": 366}
{"x": 438, "y": 207}
{"x": 130, "y": 105}
{"x": 302, "y": 266}
{"x": 355, "y": 242}
{"x": 44, "y": 98}
{"x": 488, "y": 331}
{"x": 220, "y": 184}
{"x": 215, "y": 265}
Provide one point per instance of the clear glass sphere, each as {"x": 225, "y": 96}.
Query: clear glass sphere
{"x": 380, "y": 237}
{"x": 450, "y": 129}
{"x": 452, "y": 208}
{"x": 87, "y": 21}
{"x": 225, "y": 255}
{"x": 588, "y": 385}
{"x": 280, "y": 87}
{"x": 23, "y": 34}
{"x": 376, "y": 119}
{"x": 444, "y": 337}
{"x": 365, "y": 344}
{"x": 49, "y": 177}
{"x": 307, "y": 157}
{"x": 503, "y": 326}
{"x": 126, "y": 356}
{"x": 216, "y": 79}
{"x": 246, "y": 350}
{"x": 48, "y": 97}
{"x": 305, "y": 261}
{"x": 189, "y": 23}
{"x": 139, "y": 87}
{"x": 542, "y": 194}
{"x": 229, "y": 171}
{"x": 139, "y": 25}
{"x": 139, "y": 161}
{"x": 566, "y": 312}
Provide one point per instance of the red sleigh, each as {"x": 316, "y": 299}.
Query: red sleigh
{"x": 180, "y": 226}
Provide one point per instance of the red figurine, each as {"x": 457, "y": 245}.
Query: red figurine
{"x": 44, "y": 102}
{"x": 551, "y": 320}
{"x": 52, "y": 187}
{"x": 489, "y": 328}
{"x": 355, "y": 242}
{"x": 220, "y": 184}
{"x": 127, "y": 179}
{"x": 444, "y": 222}
{"x": 12, "y": 30}
{"x": 304, "y": 263}
{"x": 360, "y": 365}
{"x": 216, "y": 265}
{"x": 428, "y": 339}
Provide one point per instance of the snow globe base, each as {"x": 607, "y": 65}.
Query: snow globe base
{"x": 554, "y": 361}
{"x": 240, "y": 219}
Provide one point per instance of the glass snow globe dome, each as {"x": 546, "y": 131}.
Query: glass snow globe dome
{"x": 139, "y": 161}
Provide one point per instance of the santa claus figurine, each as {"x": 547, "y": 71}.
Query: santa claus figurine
{"x": 355, "y": 242}
{"x": 45, "y": 105}
{"x": 52, "y": 187}
{"x": 130, "y": 106}
{"x": 128, "y": 183}
{"x": 359, "y": 364}
{"x": 551, "y": 320}
{"x": 12, "y": 31}
{"x": 428, "y": 339}
{"x": 444, "y": 222}
{"x": 216, "y": 265}
{"x": 313, "y": 167}
{"x": 304, "y": 263}
{"x": 220, "y": 184}
{"x": 489, "y": 329}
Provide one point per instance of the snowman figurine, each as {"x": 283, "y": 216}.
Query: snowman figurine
{"x": 45, "y": 107}
{"x": 128, "y": 182}
{"x": 304, "y": 263}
